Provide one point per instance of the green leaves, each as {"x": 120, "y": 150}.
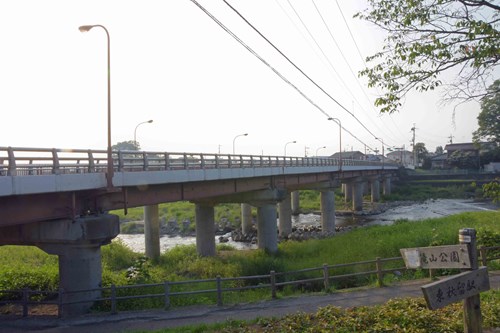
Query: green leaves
{"x": 425, "y": 39}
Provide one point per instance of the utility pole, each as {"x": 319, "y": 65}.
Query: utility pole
{"x": 413, "y": 143}
{"x": 451, "y": 138}
{"x": 306, "y": 149}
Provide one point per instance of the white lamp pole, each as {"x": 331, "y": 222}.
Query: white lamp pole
{"x": 287, "y": 145}
{"x": 135, "y": 130}
{"x": 245, "y": 134}
{"x": 109, "y": 176}
{"x": 340, "y": 140}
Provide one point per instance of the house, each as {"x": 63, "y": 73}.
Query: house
{"x": 350, "y": 155}
{"x": 403, "y": 157}
{"x": 472, "y": 148}
{"x": 439, "y": 161}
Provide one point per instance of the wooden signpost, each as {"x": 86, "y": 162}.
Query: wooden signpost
{"x": 456, "y": 288}
{"x": 465, "y": 286}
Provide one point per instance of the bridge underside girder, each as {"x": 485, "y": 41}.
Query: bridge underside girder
{"x": 49, "y": 206}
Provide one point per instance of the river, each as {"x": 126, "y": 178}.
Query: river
{"x": 411, "y": 212}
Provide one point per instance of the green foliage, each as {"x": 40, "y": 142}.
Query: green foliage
{"x": 29, "y": 267}
{"x": 489, "y": 126}
{"x": 427, "y": 38}
{"x": 139, "y": 273}
{"x": 126, "y": 145}
{"x": 463, "y": 160}
{"x": 420, "y": 192}
{"x": 492, "y": 190}
{"x": 117, "y": 256}
{"x": 409, "y": 315}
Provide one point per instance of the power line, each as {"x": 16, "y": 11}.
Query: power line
{"x": 350, "y": 33}
{"x": 298, "y": 68}
{"x": 272, "y": 68}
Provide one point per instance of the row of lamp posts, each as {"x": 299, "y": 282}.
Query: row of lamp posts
{"x": 110, "y": 170}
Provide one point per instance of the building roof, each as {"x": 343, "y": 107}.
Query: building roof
{"x": 350, "y": 154}
{"x": 467, "y": 146}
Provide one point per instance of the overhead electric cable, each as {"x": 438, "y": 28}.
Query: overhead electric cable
{"x": 352, "y": 37}
{"x": 298, "y": 68}
{"x": 348, "y": 65}
{"x": 272, "y": 68}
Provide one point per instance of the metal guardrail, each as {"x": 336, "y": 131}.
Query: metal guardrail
{"x": 45, "y": 161}
{"x": 272, "y": 281}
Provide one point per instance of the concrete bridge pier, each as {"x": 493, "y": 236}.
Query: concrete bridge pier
{"x": 328, "y": 211}
{"x": 348, "y": 190}
{"x": 205, "y": 229}
{"x": 295, "y": 203}
{"x": 152, "y": 231}
{"x": 246, "y": 218}
{"x": 387, "y": 185}
{"x": 375, "y": 189}
{"x": 267, "y": 235}
{"x": 357, "y": 195}
{"x": 285, "y": 216}
{"x": 77, "y": 243}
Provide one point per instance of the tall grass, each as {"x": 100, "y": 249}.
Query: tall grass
{"x": 30, "y": 267}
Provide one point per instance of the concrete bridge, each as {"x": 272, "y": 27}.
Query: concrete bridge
{"x": 59, "y": 199}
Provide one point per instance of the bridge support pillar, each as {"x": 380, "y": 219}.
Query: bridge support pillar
{"x": 357, "y": 196}
{"x": 246, "y": 218}
{"x": 387, "y": 185}
{"x": 328, "y": 211}
{"x": 348, "y": 189}
{"x": 375, "y": 189}
{"x": 78, "y": 244}
{"x": 267, "y": 230}
{"x": 205, "y": 229}
{"x": 285, "y": 216}
{"x": 152, "y": 231}
{"x": 295, "y": 203}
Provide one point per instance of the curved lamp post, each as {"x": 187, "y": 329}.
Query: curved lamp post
{"x": 289, "y": 143}
{"x": 340, "y": 140}
{"x": 135, "y": 131}
{"x": 235, "y": 140}
{"x": 319, "y": 149}
{"x": 109, "y": 175}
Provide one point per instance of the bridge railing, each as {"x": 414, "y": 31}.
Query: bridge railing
{"x": 44, "y": 161}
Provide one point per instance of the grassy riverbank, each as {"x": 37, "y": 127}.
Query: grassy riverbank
{"x": 29, "y": 267}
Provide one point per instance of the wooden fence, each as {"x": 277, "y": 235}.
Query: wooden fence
{"x": 273, "y": 281}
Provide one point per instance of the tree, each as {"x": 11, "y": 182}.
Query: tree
{"x": 420, "y": 151}
{"x": 489, "y": 117}
{"x": 463, "y": 160}
{"x": 439, "y": 150}
{"x": 126, "y": 145}
{"x": 427, "y": 38}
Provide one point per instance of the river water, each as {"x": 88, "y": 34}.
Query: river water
{"x": 411, "y": 212}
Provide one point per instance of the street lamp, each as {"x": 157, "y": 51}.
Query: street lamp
{"x": 109, "y": 175}
{"x": 340, "y": 140}
{"x": 319, "y": 149}
{"x": 238, "y": 137}
{"x": 288, "y": 143}
{"x": 135, "y": 131}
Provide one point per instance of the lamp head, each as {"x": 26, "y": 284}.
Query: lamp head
{"x": 150, "y": 121}
{"x": 85, "y": 28}
{"x": 245, "y": 134}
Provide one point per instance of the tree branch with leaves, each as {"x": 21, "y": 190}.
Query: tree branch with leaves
{"x": 427, "y": 38}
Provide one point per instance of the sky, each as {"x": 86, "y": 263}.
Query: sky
{"x": 171, "y": 63}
